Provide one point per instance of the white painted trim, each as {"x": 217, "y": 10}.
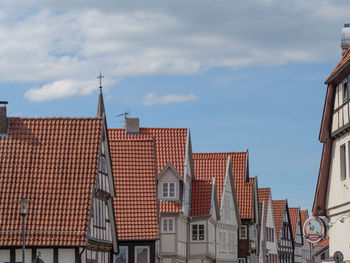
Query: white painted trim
{"x": 148, "y": 253}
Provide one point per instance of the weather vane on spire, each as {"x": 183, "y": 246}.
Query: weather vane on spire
{"x": 100, "y": 77}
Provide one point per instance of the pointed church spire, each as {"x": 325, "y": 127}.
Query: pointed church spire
{"x": 100, "y": 106}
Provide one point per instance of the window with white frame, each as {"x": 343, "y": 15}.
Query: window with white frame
{"x": 142, "y": 254}
{"x": 197, "y": 232}
{"x": 241, "y": 260}
{"x": 243, "y": 232}
{"x": 169, "y": 190}
{"x": 122, "y": 257}
{"x": 168, "y": 225}
{"x": 346, "y": 94}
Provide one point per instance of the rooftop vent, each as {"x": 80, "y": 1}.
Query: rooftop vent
{"x": 132, "y": 125}
{"x": 345, "y": 38}
{"x": 3, "y": 118}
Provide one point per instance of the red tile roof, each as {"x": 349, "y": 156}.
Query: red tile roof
{"x": 53, "y": 163}
{"x": 201, "y": 197}
{"x": 278, "y": 212}
{"x": 341, "y": 63}
{"x": 293, "y": 214}
{"x": 243, "y": 185}
{"x": 135, "y": 204}
{"x": 208, "y": 166}
{"x": 264, "y": 196}
{"x": 170, "y": 146}
{"x": 170, "y": 207}
{"x": 304, "y": 216}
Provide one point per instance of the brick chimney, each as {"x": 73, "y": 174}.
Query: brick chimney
{"x": 3, "y": 118}
{"x": 132, "y": 125}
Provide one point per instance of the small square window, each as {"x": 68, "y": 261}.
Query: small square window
{"x": 168, "y": 225}
{"x": 198, "y": 232}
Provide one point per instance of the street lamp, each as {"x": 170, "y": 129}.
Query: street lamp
{"x": 24, "y": 204}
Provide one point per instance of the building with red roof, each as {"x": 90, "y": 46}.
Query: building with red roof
{"x": 295, "y": 218}
{"x": 216, "y": 168}
{"x": 332, "y": 198}
{"x": 270, "y": 241}
{"x": 62, "y": 167}
{"x": 284, "y": 232}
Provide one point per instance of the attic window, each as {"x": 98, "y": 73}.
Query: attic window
{"x": 169, "y": 190}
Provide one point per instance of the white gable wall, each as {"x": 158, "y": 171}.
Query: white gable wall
{"x": 227, "y": 227}
{"x": 168, "y": 177}
{"x": 270, "y": 222}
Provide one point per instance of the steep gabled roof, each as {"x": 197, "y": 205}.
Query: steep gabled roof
{"x": 218, "y": 166}
{"x": 201, "y": 197}
{"x": 293, "y": 213}
{"x": 264, "y": 195}
{"x": 53, "y": 162}
{"x": 278, "y": 212}
{"x": 304, "y": 215}
{"x": 342, "y": 63}
{"x": 133, "y": 160}
{"x": 170, "y": 146}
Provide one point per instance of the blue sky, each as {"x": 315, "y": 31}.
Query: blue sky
{"x": 239, "y": 75}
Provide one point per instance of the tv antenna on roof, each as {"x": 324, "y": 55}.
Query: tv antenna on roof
{"x": 125, "y": 114}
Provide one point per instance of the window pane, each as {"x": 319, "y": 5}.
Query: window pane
{"x": 165, "y": 189}
{"x": 142, "y": 255}
{"x": 172, "y": 189}
{"x": 201, "y": 232}
{"x": 345, "y": 91}
{"x": 165, "y": 225}
{"x": 194, "y": 232}
{"x": 170, "y": 225}
{"x": 342, "y": 162}
{"x": 122, "y": 256}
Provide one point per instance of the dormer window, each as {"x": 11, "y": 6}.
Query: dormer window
{"x": 168, "y": 190}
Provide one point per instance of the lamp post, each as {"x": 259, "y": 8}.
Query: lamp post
{"x": 24, "y": 204}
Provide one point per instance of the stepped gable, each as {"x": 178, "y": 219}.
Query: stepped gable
{"x": 278, "y": 212}
{"x": 52, "y": 162}
{"x": 135, "y": 205}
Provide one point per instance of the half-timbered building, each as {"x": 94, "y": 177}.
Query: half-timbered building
{"x": 270, "y": 227}
{"x": 247, "y": 195}
{"x": 332, "y": 198}
{"x": 62, "y": 167}
{"x": 218, "y": 167}
{"x": 295, "y": 218}
{"x": 284, "y": 232}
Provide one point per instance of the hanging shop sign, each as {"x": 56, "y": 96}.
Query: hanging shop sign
{"x": 314, "y": 229}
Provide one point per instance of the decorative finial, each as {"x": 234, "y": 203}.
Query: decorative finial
{"x": 100, "y": 77}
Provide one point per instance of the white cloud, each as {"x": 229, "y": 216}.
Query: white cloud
{"x": 151, "y": 99}
{"x": 60, "y": 90}
{"x": 46, "y": 43}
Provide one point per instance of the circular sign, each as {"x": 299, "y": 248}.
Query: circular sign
{"x": 314, "y": 229}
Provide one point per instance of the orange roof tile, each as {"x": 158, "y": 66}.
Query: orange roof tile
{"x": 170, "y": 207}
{"x": 135, "y": 204}
{"x": 341, "y": 63}
{"x": 201, "y": 197}
{"x": 53, "y": 163}
{"x": 278, "y": 212}
{"x": 304, "y": 216}
{"x": 293, "y": 214}
{"x": 264, "y": 196}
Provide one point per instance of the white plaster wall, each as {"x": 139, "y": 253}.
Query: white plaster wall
{"x": 66, "y": 255}
{"x": 211, "y": 238}
{"x": 167, "y": 243}
{"x": 4, "y": 255}
{"x": 27, "y": 255}
{"x": 198, "y": 248}
{"x": 338, "y": 190}
{"x": 182, "y": 237}
{"x": 339, "y": 236}
{"x": 46, "y": 254}
{"x": 167, "y": 260}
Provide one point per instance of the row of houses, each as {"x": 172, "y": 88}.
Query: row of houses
{"x": 99, "y": 194}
